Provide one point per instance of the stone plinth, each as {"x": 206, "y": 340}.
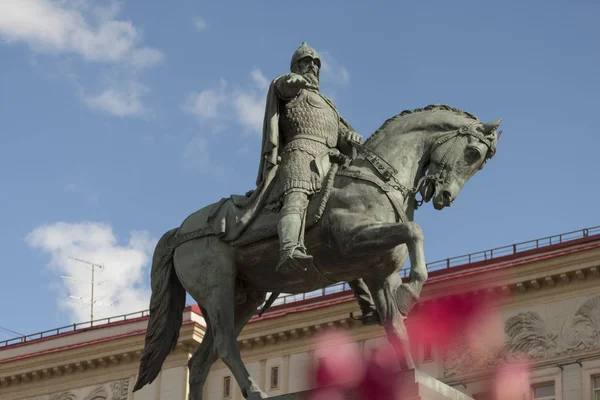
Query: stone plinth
{"x": 415, "y": 385}
{"x": 419, "y": 386}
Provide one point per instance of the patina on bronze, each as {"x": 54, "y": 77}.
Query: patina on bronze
{"x": 358, "y": 228}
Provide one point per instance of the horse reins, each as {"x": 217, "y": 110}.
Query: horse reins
{"x": 388, "y": 172}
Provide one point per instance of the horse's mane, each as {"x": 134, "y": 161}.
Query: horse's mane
{"x": 431, "y": 107}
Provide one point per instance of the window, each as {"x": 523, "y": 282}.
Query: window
{"x": 596, "y": 387}
{"x": 544, "y": 392}
{"x": 226, "y": 387}
{"x": 427, "y": 351}
{"x": 274, "y": 377}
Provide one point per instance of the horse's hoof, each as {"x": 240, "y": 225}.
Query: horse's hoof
{"x": 371, "y": 318}
{"x": 406, "y": 298}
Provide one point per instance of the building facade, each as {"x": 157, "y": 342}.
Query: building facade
{"x": 549, "y": 312}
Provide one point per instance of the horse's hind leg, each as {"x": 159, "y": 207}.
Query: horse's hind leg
{"x": 200, "y": 363}
{"x": 221, "y": 311}
{"x": 208, "y": 272}
{"x": 205, "y": 356}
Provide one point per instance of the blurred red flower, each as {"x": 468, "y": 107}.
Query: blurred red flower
{"x": 472, "y": 320}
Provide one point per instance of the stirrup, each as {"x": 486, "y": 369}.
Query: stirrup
{"x": 293, "y": 260}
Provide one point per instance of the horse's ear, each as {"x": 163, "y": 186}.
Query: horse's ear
{"x": 498, "y": 135}
{"x": 490, "y": 127}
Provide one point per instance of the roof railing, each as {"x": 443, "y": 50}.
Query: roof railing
{"x": 452, "y": 262}
{"x": 74, "y": 327}
{"x": 466, "y": 259}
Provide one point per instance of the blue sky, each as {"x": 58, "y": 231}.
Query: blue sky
{"x": 118, "y": 119}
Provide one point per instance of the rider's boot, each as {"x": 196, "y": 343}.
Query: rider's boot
{"x": 293, "y": 255}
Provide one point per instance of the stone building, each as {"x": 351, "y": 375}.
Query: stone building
{"x": 550, "y": 311}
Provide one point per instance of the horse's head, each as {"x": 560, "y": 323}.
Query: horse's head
{"x": 455, "y": 158}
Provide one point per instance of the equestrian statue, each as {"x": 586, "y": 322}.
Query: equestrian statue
{"x": 327, "y": 208}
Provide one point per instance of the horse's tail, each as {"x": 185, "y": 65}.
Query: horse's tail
{"x": 166, "y": 312}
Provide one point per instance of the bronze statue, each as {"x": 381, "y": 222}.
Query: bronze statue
{"x": 358, "y": 228}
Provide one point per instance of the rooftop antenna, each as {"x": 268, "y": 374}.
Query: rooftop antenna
{"x": 92, "y": 283}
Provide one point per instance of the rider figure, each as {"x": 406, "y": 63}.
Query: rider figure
{"x": 310, "y": 128}
{"x": 302, "y": 131}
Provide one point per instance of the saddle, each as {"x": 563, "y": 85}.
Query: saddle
{"x": 263, "y": 226}
{"x": 214, "y": 219}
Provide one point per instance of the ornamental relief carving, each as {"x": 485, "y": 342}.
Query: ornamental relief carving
{"x": 527, "y": 336}
{"x": 118, "y": 390}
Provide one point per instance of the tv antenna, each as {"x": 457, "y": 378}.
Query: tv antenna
{"x": 92, "y": 283}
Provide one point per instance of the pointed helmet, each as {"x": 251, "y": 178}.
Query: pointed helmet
{"x": 304, "y": 51}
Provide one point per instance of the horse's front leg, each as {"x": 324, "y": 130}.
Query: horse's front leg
{"x": 375, "y": 237}
{"x": 385, "y": 298}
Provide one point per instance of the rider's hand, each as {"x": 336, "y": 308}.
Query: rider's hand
{"x": 352, "y": 136}
{"x": 297, "y": 81}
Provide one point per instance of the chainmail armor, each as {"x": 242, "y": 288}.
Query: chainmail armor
{"x": 309, "y": 114}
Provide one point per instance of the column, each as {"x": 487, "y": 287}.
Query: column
{"x": 361, "y": 349}
{"x": 286, "y": 374}
{"x": 313, "y": 365}
{"x": 263, "y": 374}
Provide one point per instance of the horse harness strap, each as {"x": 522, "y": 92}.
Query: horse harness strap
{"x": 390, "y": 191}
{"x": 463, "y": 131}
{"x": 388, "y": 172}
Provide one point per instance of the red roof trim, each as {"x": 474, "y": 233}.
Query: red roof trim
{"x": 192, "y": 308}
{"x": 519, "y": 255}
{"x": 442, "y": 275}
{"x": 83, "y": 344}
{"x": 516, "y": 263}
{"x": 69, "y": 333}
{"x": 313, "y": 300}
{"x": 300, "y": 309}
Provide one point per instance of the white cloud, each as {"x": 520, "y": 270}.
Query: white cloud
{"x": 71, "y": 187}
{"x": 250, "y": 111}
{"x": 92, "y": 30}
{"x": 261, "y": 81}
{"x": 245, "y": 106}
{"x": 75, "y": 27}
{"x": 145, "y": 57}
{"x": 207, "y": 103}
{"x": 332, "y": 71}
{"x": 119, "y": 101}
{"x": 125, "y": 266}
{"x": 200, "y": 23}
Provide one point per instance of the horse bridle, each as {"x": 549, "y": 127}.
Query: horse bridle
{"x": 389, "y": 173}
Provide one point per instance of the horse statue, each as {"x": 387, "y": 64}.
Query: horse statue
{"x": 360, "y": 227}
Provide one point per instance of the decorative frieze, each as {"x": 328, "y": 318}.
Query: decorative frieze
{"x": 68, "y": 369}
{"x": 309, "y": 331}
{"x": 117, "y": 390}
{"x": 527, "y": 335}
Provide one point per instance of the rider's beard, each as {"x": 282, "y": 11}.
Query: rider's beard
{"x": 311, "y": 76}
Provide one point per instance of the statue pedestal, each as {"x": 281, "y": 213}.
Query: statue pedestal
{"x": 419, "y": 386}
{"x": 415, "y": 386}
